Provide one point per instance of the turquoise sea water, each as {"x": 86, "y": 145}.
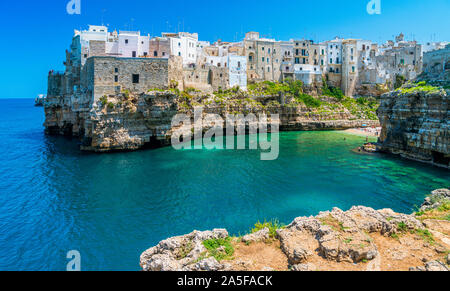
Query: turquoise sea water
{"x": 111, "y": 207}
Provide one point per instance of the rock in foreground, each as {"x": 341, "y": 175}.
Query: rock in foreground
{"x": 358, "y": 239}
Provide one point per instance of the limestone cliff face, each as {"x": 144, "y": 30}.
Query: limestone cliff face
{"x": 416, "y": 125}
{"x": 133, "y": 121}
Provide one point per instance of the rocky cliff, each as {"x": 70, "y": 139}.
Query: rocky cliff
{"x": 128, "y": 121}
{"x": 358, "y": 239}
{"x": 415, "y": 123}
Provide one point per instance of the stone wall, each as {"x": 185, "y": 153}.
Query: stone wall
{"x": 97, "y": 48}
{"x": 111, "y": 75}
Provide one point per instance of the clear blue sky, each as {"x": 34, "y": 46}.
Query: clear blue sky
{"x": 36, "y": 33}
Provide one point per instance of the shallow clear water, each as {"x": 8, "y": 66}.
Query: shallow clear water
{"x": 111, "y": 207}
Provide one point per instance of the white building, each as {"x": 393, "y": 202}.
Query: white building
{"x": 307, "y": 73}
{"x": 237, "y": 71}
{"x": 237, "y": 68}
{"x": 81, "y": 40}
{"x": 432, "y": 46}
{"x": 183, "y": 44}
{"x": 131, "y": 44}
{"x": 334, "y": 51}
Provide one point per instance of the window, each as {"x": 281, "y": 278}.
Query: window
{"x": 337, "y": 70}
{"x": 133, "y": 54}
{"x": 116, "y": 79}
{"x": 268, "y": 51}
{"x": 179, "y": 54}
{"x": 116, "y": 70}
{"x": 268, "y": 69}
{"x": 145, "y": 54}
{"x": 262, "y": 48}
{"x": 353, "y": 69}
{"x": 126, "y": 41}
{"x": 321, "y": 62}
{"x": 239, "y": 64}
{"x": 331, "y": 61}
{"x": 155, "y": 53}
{"x": 337, "y": 60}
{"x": 297, "y": 60}
{"x": 250, "y": 58}
{"x": 135, "y": 78}
{"x": 85, "y": 55}
{"x": 163, "y": 54}
{"x": 267, "y": 60}
{"x": 263, "y": 59}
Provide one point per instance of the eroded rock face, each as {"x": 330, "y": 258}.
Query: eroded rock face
{"x": 183, "y": 253}
{"x": 416, "y": 125}
{"x": 340, "y": 236}
{"x": 133, "y": 121}
{"x": 436, "y": 199}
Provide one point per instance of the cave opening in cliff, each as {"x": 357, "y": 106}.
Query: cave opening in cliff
{"x": 440, "y": 158}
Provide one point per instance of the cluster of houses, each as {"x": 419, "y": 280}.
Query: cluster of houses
{"x": 349, "y": 64}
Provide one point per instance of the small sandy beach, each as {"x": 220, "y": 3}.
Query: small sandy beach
{"x": 369, "y": 131}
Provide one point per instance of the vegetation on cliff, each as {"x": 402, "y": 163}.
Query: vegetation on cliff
{"x": 268, "y": 96}
{"x": 417, "y": 87}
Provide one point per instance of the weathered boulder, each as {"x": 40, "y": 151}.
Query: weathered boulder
{"x": 436, "y": 199}
{"x": 182, "y": 253}
{"x": 258, "y": 236}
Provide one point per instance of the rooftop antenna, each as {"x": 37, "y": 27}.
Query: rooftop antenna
{"x": 103, "y": 15}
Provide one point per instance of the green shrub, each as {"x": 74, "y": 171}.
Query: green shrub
{"x": 401, "y": 226}
{"x": 272, "y": 225}
{"x": 308, "y": 100}
{"x": 214, "y": 245}
{"x": 103, "y": 100}
{"x": 426, "y": 235}
{"x": 110, "y": 105}
{"x": 399, "y": 81}
{"x": 332, "y": 91}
